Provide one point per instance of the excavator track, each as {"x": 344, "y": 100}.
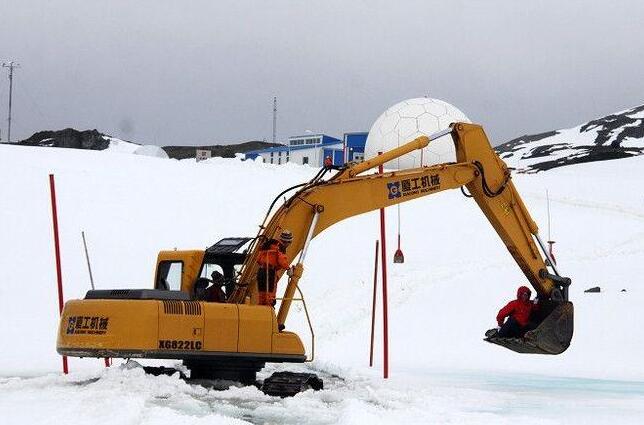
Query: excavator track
{"x": 279, "y": 384}
{"x": 288, "y": 384}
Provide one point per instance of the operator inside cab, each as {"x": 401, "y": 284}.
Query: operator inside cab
{"x": 272, "y": 259}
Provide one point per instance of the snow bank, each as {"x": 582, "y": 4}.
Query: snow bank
{"x": 456, "y": 276}
{"x": 151, "y": 150}
{"x": 118, "y": 145}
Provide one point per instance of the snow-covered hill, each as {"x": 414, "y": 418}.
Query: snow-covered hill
{"x": 618, "y": 135}
{"x": 456, "y": 276}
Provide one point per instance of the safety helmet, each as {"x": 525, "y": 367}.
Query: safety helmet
{"x": 286, "y": 236}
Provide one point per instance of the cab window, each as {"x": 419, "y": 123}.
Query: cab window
{"x": 208, "y": 269}
{"x": 169, "y": 275}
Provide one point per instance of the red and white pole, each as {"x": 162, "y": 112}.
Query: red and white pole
{"x": 59, "y": 274}
{"x": 385, "y": 323}
{"x": 373, "y": 304}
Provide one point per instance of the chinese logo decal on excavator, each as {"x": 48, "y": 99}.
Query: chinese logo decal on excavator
{"x": 87, "y": 325}
{"x": 415, "y": 186}
{"x": 394, "y": 190}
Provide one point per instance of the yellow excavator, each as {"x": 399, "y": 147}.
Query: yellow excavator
{"x": 204, "y": 307}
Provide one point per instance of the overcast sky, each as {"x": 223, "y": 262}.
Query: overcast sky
{"x": 202, "y": 72}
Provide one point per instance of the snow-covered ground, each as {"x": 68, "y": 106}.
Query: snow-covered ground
{"x": 456, "y": 276}
{"x": 122, "y": 146}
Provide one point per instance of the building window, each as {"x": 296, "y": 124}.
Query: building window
{"x": 305, "y": 160}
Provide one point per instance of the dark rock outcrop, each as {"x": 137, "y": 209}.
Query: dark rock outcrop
{"x": 224, "y": 151}
{"x": 68, "y": 138}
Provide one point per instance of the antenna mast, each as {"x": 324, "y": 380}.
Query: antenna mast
{"x": 274, "y": 119}
{"x": 11, "y": 65}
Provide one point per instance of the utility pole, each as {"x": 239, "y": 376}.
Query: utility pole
{"x": 274, "y": 119}
{"x": 11, "y": 65}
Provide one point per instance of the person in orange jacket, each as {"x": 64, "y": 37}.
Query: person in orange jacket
{"x": 518, "y": 313}
{"x": 272, "y": 259}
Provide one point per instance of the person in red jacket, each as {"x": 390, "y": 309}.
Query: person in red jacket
{"x": 272, "y": 259}
{"x": 518, "y": 313}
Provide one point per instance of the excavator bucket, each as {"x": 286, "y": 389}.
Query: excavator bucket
{"x": 552, "y": 336}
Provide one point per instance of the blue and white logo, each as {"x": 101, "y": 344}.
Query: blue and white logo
{"x": 394, "y": 190}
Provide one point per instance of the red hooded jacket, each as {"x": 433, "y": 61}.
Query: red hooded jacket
{"x": 518, "y": 309}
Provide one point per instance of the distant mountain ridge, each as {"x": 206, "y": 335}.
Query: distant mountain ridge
{"x": 224, "y": 151}
{"x": 617, "y": 135}
{"x": 95, "y": 140}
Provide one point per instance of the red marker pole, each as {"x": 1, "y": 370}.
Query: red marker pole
{"x": 385, "y": 324}
{"x": 373, "y": 303}
{"x": 59, "y": 274}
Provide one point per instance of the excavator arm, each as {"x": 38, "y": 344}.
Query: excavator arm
{"x": 322, "y": 203}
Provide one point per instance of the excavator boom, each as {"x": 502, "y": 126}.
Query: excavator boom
{"x": 317, "y": 206}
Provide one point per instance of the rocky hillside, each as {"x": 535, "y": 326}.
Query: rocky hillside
{"x": 225, "y": 151}
{"x": 95, "y": 140}
{"x": 69, "y": 138}
{"x": 617, "y": 135}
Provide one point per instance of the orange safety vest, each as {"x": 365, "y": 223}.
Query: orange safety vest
{"x": 272, "y": 257}
{"x": 270, "y": 261}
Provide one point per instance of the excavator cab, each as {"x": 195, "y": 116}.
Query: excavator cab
{"x": 220, "y": 264}
{"x": 204, "y": 275}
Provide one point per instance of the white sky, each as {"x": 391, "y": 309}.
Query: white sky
{"x": 201, "y": 72}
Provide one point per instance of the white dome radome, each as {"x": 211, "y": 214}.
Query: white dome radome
{"x": 409, "y": 119}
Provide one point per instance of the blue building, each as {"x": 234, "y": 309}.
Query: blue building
{"x": 354, "y": 146}
{"x": 311, "y": 149}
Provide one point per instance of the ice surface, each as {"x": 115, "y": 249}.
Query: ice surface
{"x": 125, "y": 396}
{"x": 456, "y": 276}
